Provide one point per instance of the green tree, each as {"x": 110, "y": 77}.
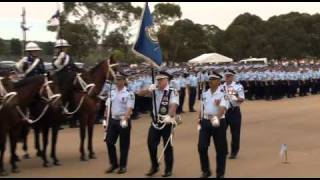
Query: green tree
{"x": 15, "y": 47}
{"x": 80, "y": 37}
{"x": 3, "y": 48}
{"x": 165, "y": 13}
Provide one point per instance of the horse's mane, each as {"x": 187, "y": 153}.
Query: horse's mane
{"x": 26, "y": 81}
{"x": 92, "y": 70}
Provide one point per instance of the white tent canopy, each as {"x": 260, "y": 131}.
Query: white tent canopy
{"x": 210, "y": 58}
{"x": 265, "y": 60}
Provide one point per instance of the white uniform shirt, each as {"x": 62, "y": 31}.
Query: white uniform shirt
{"x": 121, "y": 101}
{"x": 234, "y": 88}
{"x": 174, "y": 97}
{"x": 212, "y": 101}
{"x": 175, "y": 84}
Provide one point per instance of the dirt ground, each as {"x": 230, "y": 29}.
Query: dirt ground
{"x": 266, "y": 125}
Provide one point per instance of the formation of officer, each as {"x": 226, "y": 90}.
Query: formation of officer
{"x": 272, "y": 83}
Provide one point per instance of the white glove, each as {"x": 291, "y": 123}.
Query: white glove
{"x": 104, "y": 123}
{"x": 123, "y": 123}
{"x": 152, "y": 87}
{"x": 215, "y": 121}
{"x": 233, "y": 98}
{"x": 199, "y": 127}
{"x": 178, "y": 119}
{"x": 167, "y": 119}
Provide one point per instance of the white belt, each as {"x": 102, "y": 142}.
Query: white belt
{"x": 119, "y": 117}
{"x": 208, "y": 116}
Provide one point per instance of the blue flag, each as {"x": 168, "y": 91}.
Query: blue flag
{"x": 147, "y": 44}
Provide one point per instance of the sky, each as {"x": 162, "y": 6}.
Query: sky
{"x": 220, "y": 14}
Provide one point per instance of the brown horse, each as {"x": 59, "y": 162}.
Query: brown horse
{"x": 8, "y": 119}
{"x": 31, "y": 91}
{"x": 88, "y": 103}
{"x": 50, "y": 120}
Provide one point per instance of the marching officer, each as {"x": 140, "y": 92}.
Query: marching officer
{"x": 212, "y": 123}
{"x": 118, "y": 112}
{"x": 192, "y": 83}
{"x": 182, "y": 94}
{"x": 31, "y": 64}
{"x": 236, "y": 96}
{"x": 163, "y": 123}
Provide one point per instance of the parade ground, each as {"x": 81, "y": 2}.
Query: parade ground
{"x": 266, "y": 125}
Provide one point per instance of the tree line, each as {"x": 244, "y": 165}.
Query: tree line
{"x": 290, "y": 36}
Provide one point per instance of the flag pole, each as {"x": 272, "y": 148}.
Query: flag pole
{"x": 59, "y": 19}
{"x": 23, "y": 27}
{"x": 154, "y": 96}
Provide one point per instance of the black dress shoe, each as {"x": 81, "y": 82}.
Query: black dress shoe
{"x": 206, "y": 174}
{"x": 167, "y": 174}
{"x": 233, "y": 156}
{"x": 122, "y": 171}
{"x": 111, "y": 169}
{"x": 152, "y": 171}
{"x": 220, "y": 176}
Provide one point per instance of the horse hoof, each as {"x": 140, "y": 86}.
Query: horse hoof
{"x": 56, "y": 163}
{"x": 83, "y": 159}
{"x": 26, "y": 156}
{"x": 16, "y": 158}
{"x": 46, "y": 165}
{"x": 3, "y": 173}
{"x": 15, "y": 170}
{"x": 39, "y": 154}
{"x": 92, "y": 156}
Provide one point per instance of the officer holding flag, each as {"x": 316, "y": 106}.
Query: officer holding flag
{"x": 165, "y": 100}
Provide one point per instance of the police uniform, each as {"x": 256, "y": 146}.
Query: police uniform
{"x": 182, "y": 93}
{"x": 31, "y": 66}
{"x": 63, "y": 60}
{"x": 209, "y": 109}
{"x": 233, "y": 115}
{"x": 193, "y": 83}
{"x": 160, "y": 129}
{"x": 121, "y": 101}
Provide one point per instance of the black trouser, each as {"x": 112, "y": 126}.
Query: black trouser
{"x": 200, "y": 88}
{"x": 182, "y": 94}
{"x": 192, "y": 97}
{"x": 233, "y": 119}
{"x": 313, "y": 86}
{"x": 101, "y": 110}
{"x": 267, "y": 90}
{"x": 137, "y": 105}
{"x": 154, "y": 138}
{"x": 220, "y": 143}
{"x": 251, "y": 88}
{"x": 114, "y": 131}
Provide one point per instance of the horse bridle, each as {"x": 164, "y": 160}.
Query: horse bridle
{"x": 52, "y": 98}
{"x": 5, "y": 97}
{"x": 110, "y": 70}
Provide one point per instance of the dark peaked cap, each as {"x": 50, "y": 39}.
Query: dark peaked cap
{"x": 214, "y": 75}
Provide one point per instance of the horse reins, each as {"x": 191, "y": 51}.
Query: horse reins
{"x": 85, "y": 88}
{"x": 4, "y": 95}
{"x": 52, "y": 98}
